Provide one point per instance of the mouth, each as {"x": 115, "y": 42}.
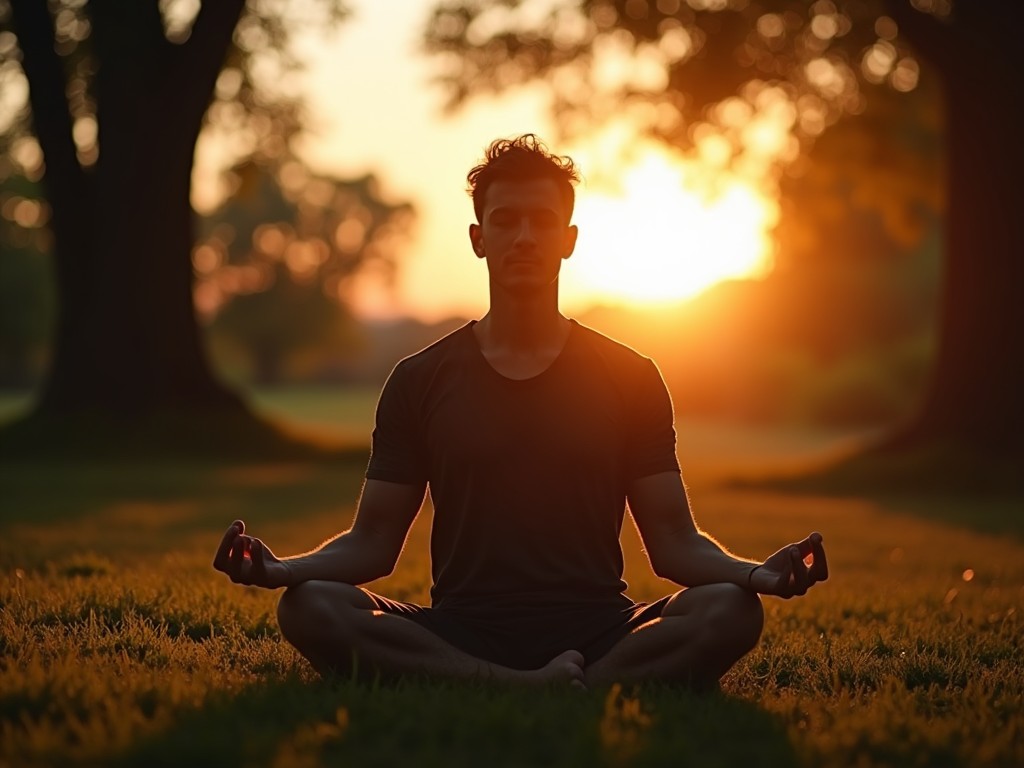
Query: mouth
{"x": 523, "y": 260}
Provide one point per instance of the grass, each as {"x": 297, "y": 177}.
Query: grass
{"x": 120, "y": 646}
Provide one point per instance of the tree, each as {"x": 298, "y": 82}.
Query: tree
{"x": 276, "y": 260}
{"x": 118, "y": 92}
{"x": 683, "y": 67}
{"x": 26, "y": 293}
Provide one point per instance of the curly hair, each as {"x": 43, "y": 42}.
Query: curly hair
{"x": 523, "y": 158}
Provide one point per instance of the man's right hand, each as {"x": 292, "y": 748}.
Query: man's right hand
{"x": 247, "y": 560}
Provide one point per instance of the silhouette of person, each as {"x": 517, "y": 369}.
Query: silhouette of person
{"x": 532, "y": 432}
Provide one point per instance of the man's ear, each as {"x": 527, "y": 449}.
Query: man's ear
{"x": 572, "y": 232}
{"x": 476, "y": 239}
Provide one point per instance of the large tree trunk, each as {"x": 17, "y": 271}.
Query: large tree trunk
{"x": 129, "y": 375}
{"x": 975, "y": 394}
{"x": 127, "y": 340}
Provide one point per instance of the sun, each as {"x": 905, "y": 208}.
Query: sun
{"x": 654, "y": 240}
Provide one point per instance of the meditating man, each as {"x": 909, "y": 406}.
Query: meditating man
{"x": 532, "y": 432}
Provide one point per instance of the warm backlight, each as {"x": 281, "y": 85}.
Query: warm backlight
{"x": 656, "y": 240}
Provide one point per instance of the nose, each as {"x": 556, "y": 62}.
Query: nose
{"x": 525, "y": 234}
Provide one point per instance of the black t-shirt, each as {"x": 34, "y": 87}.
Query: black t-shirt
{"x": 528, "y": 478}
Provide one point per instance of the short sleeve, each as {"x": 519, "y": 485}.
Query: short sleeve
{"x": 397, "y": 453}
{"x": 652, "y": 435}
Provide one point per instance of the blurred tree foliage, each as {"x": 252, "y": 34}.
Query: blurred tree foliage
{"x": 274, "y": 267}
{"x": 705, "y": 73}
{"x": 275, "y": 262}
{"x": 26, "y": 282}
{"x": 102, "y": 103}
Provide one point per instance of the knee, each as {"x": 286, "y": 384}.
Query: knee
{"x": 729, "y": 616}
{"x": 737, "y": 616}
{"x": 314, "y": 607}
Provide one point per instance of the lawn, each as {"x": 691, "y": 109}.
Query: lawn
{"x": 120, "y": 646}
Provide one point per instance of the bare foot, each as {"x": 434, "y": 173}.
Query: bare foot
{"x": 564, "y": 668}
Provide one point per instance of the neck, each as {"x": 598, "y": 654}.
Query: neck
{"x": 523, "y": 322}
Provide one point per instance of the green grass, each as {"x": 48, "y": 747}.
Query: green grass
{"x": 119, "y": 645}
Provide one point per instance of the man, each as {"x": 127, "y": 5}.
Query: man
{"x": 532, "y": 433}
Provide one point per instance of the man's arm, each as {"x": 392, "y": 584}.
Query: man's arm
{"x": 367, "y": 551}
{"x": 679, "y": 551}
{"x": 370, "y": 548}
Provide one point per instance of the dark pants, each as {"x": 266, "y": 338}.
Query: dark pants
{"x": 529, "y": 637}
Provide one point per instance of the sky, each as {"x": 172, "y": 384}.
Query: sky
{"x": 373, "y": 108}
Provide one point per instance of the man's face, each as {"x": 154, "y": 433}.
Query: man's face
{"x": 524, "y": 233}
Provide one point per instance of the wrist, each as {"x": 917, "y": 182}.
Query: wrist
{"x": 750, "y": 577}
{"x": 291, "y": 573}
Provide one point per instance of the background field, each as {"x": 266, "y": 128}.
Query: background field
{"x": 119, "y": 645}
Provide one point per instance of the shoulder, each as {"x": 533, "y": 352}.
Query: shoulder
{"x": 635, "y": 375}
{"x": 425, "y": 362}
{"x": 617, "y": 354}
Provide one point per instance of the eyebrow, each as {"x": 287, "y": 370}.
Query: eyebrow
{"x": 525, "y": 209}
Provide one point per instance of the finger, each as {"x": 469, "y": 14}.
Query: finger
{"x": 801, "y": 577}
{"x": 805, "y": 547}
{"x": 819, "y": 568}
{"x": 245, "y": 570}
{"x": 259, "y": 564}
{"x": 221, "y": 559}
{"x": 237, "y": 558}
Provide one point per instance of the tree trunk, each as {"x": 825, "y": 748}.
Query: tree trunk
{"x": 975, "y": 394}
{"x": 127, "y": 340}
{"x": 129, "y": 377}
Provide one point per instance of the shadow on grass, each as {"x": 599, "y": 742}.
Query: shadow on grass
{"x": 60, "y": 468}
{"x": 938, "y": 481}
{"x": 53, "y": 492}
{"x": 449, "y": 725}
{"x": 214, "y": 435}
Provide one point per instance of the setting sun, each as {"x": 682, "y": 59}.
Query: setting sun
{"x": 654, "y": 239}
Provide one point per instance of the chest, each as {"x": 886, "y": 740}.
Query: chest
{"x": 482, "y": 422}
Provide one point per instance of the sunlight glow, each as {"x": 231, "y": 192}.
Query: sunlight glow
{"x": 654, "y": 240}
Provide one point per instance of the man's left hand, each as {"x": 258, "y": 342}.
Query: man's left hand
{"x": 792, "y": 570}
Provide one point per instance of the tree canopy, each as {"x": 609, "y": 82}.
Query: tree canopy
{"x": 275, "y": 261}
{"x": 249, "y": 48}
{"x": 681, "y": 67}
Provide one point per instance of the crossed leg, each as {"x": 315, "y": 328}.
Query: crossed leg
{"x": 339, "y": 629}
{"x": 702, "y": 632}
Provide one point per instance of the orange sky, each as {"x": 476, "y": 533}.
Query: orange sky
{"x": 374, "y": 109}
